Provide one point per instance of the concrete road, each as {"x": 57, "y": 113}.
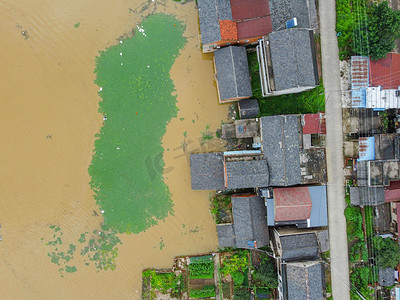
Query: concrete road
{"x": 334, "y": 149}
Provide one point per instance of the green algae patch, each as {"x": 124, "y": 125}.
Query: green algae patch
{"x": 137, "y": 103}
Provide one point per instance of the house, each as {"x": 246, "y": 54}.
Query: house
{"x": 303, "y": 206}
{"x": 300, "y": 271}
{"x": 302, "y": 280}
{"x": 278, "y": 157}
{"x": 232, "y": 74}
{"x": 226, "y": 22}
{"x": 249, "y": 229}
{"x": 303, "y": 10}
{"x": 386, "y": 276}
{"x": 248, "y": 108}
{"x": 288, "y": 62}
{"x": 384, "y": 71}
{"x": 374, "y": 84}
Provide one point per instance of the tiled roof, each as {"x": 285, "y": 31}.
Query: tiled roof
{"x": 250, "y": 221}
{"x": 385, "y": 71}
{"x": 284, "y": 10}
{"x": 299, "y": 247}
{"x": 232, "y": 72}
{"x": 207, "y": 171}
{"x": 305, "y": 280}
{"x": 246, "y": 174}
{"x": 280, "y": 141}
{"x": 229, "y": 30}
{"x": 226, "y": 235}
{"x": 293, "y": 58}
{"x": 292, "y": 204}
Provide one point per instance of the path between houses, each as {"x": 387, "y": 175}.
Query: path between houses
{"x": 334, "y": 149}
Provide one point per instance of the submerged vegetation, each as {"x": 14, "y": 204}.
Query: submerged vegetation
{"x": 100, "y": 248}
{"x": 137, "y": 104}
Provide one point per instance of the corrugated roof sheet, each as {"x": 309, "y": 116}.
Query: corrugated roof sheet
{"x": 312, "y": 123}
{"x": 366, "y": 147}
{"x": 377, "y": 98}
{"x": 385, "y": 71}
{"x": 249, "y": 9}
{"x": 292, "y": 204}
{"x": 319, "y": 210}
{"x": 359, "y": 74}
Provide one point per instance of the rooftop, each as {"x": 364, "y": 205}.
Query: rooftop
{"x": 293, "y": 57}
{"x": 299, "y": 247}
{"x": 284, "y": 10}
{"x": 281, "y": 149}
{"x": 232, "y": 69}
{"x": 246, "y": 174}
{"x": 384, "y": 72}
{"x": 305, "y": 280}
{"x": 294, "y": 204}
{"x": 249, "y": 221}
{"x": 226, "y": 235}
{"x": 207, "y": 171}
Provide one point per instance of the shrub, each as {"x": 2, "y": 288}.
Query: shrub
{"x": 238, "y": 278}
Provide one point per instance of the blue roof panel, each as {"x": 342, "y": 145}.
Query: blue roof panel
{"x": 319, "y": 210}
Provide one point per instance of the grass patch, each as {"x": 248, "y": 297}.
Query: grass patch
{"x": 311, "y": 101}
{"x": 135, "y": 87}
{"x": 369, "y": 221}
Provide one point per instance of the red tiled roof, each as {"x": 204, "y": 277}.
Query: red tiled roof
{"x": 229, "y": 31}
{"x": 398, "y": 219}
{"x": 249, "y": 9}
{"x": 392, "y": 192}
{"x": 254, "y": 28}
{"x": 312, "y": 124}
{"x": 386, "y": 71}
{"x": 292, "y": 204}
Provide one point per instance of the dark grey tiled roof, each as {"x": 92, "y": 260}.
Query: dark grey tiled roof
{"x": 247, "y": 174}
{"x": 293, "y": 59}
{"x": 226, "y": 235}
{"x": 248, "y": 108}
{"x": 250, "y": 221}
{"x": 232, "y": 72}
{"x": 210, "y": 12}
{"x": 207, "y": 171}
{"x": 284, "y": 10}
{"x": 386, "y": 276}
{"x": 280, "y": 139}
{"x": 305, "y": 281}
{"x": 363, "y": 195}
{"x": 299, "y": 247}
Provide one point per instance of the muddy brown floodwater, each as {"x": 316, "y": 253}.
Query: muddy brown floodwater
{"x": 48, "y": 120}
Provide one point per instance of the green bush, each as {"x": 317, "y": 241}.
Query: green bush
{"x": 202, "y": 270}
{"x": 354, "y": 222}
{"x": 205, "y": 292}
{"x": 164, "y": 282}
{"x": 238, "y": 278}
{"x": 265, "y": 275}
{"x": 237, "y": 262}
{"x": 387, "y": 252}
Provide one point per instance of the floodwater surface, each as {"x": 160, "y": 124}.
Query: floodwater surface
{"x": 49, "y": 120}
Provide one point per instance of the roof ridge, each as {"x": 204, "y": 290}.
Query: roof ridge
{"x": 234, "y": 71}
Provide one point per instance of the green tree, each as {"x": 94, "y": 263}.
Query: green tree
{"x": 265, "y": 275}
{"x": 375, "y": 37}
{"x": 387, "y": 252}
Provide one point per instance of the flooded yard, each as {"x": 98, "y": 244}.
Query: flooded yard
{"x": 49, "y": 121}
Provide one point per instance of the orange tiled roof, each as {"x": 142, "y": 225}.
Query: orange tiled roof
{"x": 229, "y": 30}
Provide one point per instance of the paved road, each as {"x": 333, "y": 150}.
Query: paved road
{"x": 334, "y": 142}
